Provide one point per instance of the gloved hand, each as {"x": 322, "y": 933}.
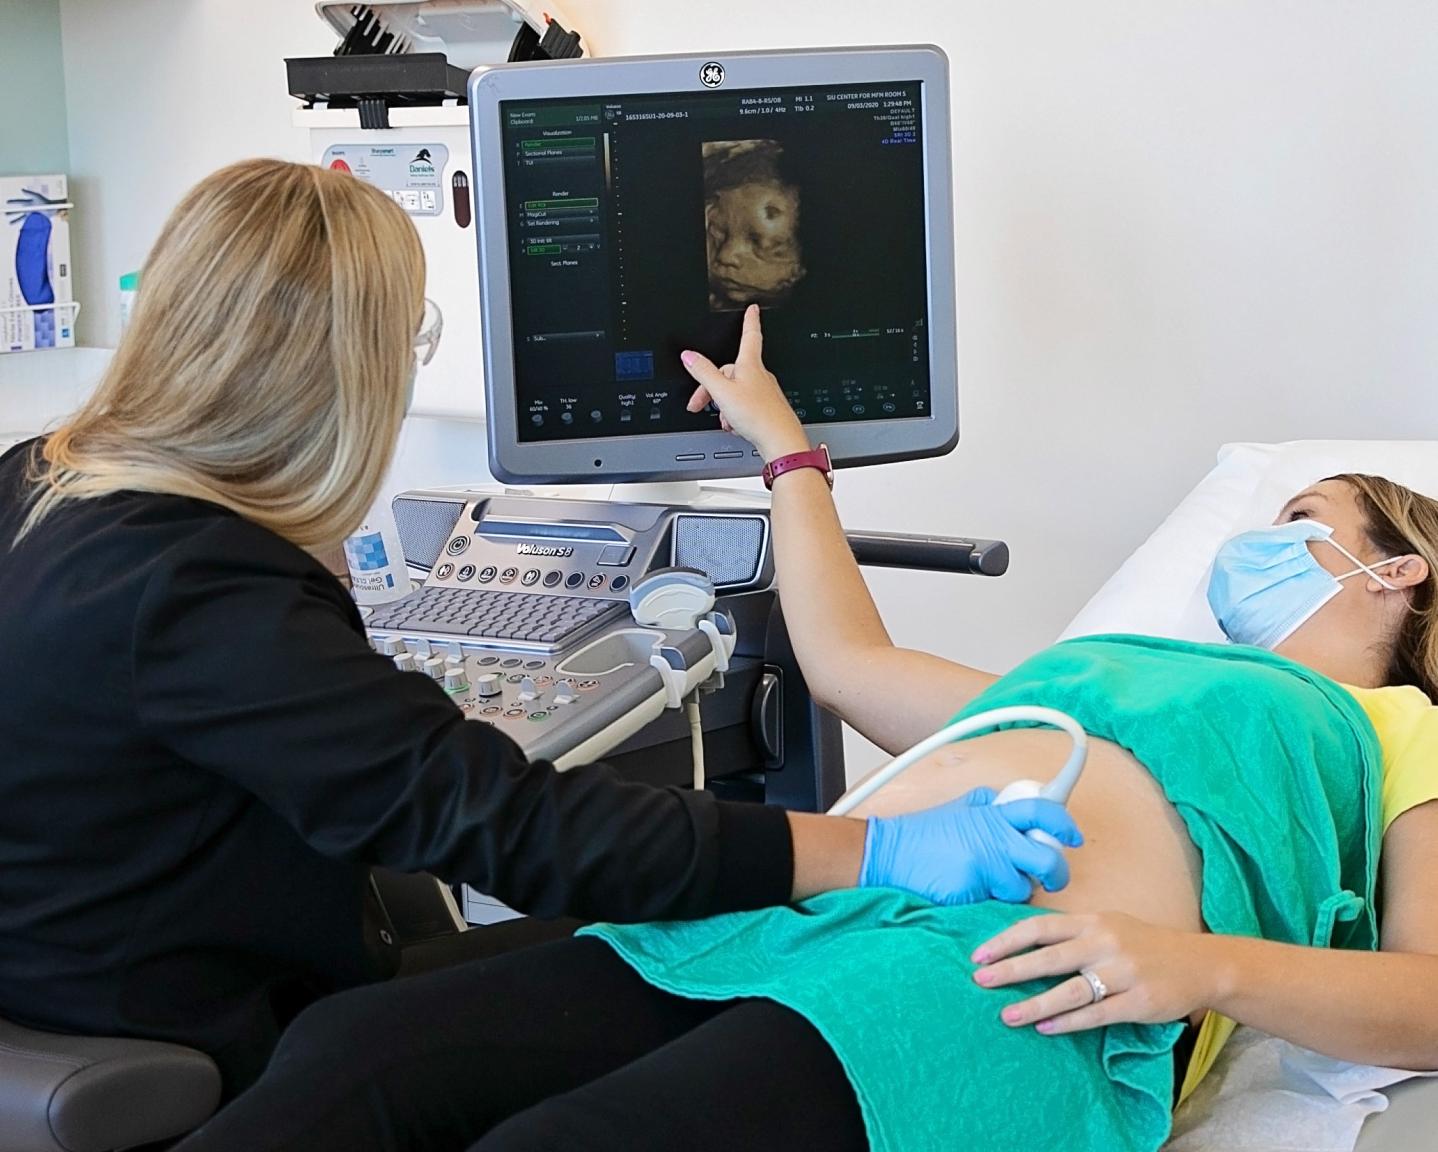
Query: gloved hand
{"x": 969, "y": 849}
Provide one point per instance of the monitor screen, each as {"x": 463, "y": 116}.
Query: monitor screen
{"x": 641, "y": 221}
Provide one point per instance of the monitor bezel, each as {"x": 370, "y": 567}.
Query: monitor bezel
{"x": 651, "y": 457}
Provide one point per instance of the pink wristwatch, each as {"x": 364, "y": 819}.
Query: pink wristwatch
{"x": 814, "y": 458}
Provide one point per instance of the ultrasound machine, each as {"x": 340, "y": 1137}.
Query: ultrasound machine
{"x": 624, "y": 212}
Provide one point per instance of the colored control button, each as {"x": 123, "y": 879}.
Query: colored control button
{"x": 487, "y": 573}
{"x": 596, "y": 580}
{"x": 492, "y": 710}
{"x": 543, "y": 681}
{"x": 552, "y": 578}
{"x": 574, "y": 580}
{"x": 587, "y": 685}
{"x": 509, "y": 575}
{"x": 467, "y": 572}
{"x": 531, "y": 576}
{"x": 514, "y": 711}
{"x": 457, "y": 546}
{"x": 539, "y": 715}
{"x": 444, "y": 571}
{"x": 619, "y": 583}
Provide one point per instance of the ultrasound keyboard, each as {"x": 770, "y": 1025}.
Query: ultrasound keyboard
{"x": 524, "y": 616}
{"x": 542, "y": 622}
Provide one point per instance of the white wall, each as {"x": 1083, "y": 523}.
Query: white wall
{"x": 33, "y": 139}
{"x": 159, "y": 93}
{"x": 1179, "y": 223}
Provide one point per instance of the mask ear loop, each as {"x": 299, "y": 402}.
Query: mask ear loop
{"x": 1362, "y": 567}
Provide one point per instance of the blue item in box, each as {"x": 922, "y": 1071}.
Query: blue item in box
{"x": 35, "y": 267}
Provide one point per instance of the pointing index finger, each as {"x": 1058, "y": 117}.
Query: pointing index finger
{"x": 751, "y": 343}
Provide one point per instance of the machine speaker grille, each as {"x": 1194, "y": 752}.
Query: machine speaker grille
{"x": 424, "y": 527}
{"x": 729, "y": 549}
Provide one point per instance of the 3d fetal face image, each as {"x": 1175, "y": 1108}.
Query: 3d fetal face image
{"x": 751, "y": 220}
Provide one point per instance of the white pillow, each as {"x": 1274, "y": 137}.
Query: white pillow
{"x": 1161, "y": 590}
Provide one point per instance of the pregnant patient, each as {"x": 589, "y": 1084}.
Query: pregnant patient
{"x": 1234, "y": 807}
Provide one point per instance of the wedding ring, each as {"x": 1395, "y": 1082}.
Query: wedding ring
{"x": 1100, "y": 989}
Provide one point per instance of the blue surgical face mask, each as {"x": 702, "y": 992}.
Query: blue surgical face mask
{"x": 1266, "y": 583}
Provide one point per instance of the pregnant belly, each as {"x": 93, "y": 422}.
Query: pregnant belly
{"x": 1136, "y": 857}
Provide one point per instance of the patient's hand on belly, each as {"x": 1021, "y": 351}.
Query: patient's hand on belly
{"x": 1136, "y": 858}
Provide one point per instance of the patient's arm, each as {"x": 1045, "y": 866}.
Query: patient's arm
{"x": 1373, "y": 1009}
{"x": 1370, "y": 1008}
{"x": 893, "y": 696}
{"x": 1409, "y": 874}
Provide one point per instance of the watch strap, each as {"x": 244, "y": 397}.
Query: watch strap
{"x": 813, "y": 458}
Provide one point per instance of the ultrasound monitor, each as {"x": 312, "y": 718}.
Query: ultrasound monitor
{"x": 628, "y": 209}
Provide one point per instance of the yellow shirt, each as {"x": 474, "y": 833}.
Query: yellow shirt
{"x": 1407, "y": 726}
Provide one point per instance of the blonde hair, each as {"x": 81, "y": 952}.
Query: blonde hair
{"x": 267, "y": 361}
{"x": 1401, "y": 522}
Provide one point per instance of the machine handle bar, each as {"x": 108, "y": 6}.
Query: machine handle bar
{"x": 934, "y": 553}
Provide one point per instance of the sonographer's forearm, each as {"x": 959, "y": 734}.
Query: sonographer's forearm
{"x": 828, "y": 851}
{"x": 588, "y": 843}
{"x": 1365, "y": 1007}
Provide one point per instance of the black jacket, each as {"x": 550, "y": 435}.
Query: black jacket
{"x": 200, "y": 756}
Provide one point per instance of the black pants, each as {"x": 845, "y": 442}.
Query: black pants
{"x": 559, "y": 1046}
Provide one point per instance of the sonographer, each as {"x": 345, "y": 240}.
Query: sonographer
{"x": 203, "y": 755}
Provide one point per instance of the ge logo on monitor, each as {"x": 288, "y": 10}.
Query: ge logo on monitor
{"x": 712, "y": 74}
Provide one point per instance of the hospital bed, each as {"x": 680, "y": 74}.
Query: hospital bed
{"x": 76, "y": 1094}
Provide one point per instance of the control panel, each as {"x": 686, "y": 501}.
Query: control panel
{"x": 566, "y": 708}
{"x": 525, "y": 620}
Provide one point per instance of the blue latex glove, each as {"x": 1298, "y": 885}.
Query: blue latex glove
{"x": 969, "y": 849}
